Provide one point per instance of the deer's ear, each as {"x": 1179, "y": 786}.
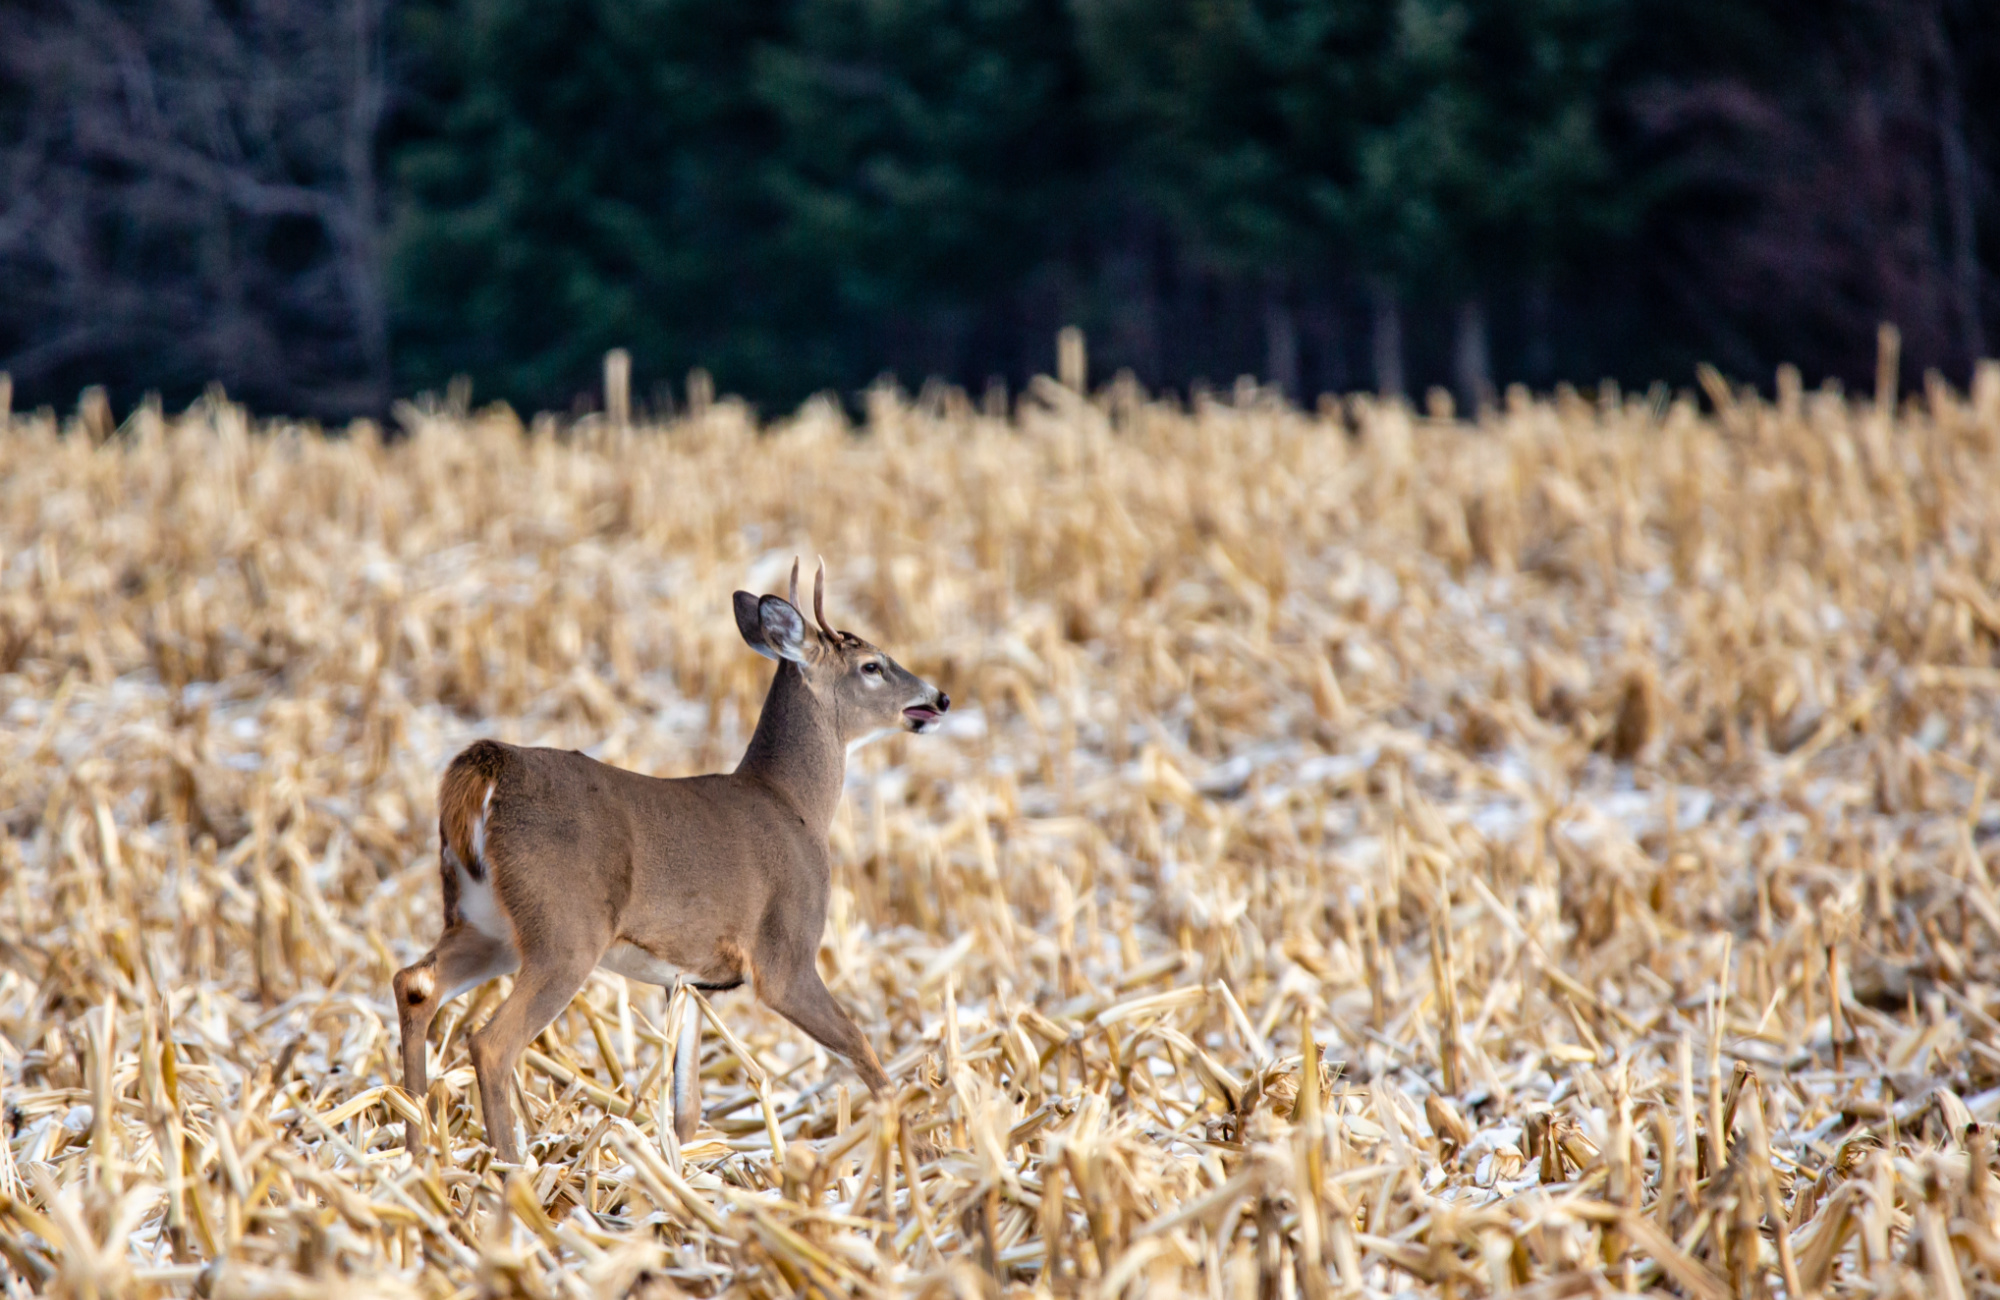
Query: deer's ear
{"x": 751, "y": 624}
{"x": 784, "y": 631}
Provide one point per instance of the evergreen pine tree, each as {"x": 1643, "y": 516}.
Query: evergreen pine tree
{"x": 584, "y": 174}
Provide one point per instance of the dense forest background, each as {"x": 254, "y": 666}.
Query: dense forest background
{"x": 327, "y": 203}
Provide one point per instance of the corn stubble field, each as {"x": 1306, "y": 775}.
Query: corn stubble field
{"x": 1591, "y": 806}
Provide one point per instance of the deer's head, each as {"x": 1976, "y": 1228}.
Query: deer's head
{"x": 868, "y": 693}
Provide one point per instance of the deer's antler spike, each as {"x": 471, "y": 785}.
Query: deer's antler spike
{"x": 819, "y": 603}
{"x": 795, "y": 582}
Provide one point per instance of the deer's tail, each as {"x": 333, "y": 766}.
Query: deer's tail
{"x": 465, "y": 796}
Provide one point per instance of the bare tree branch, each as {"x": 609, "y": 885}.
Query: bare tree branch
{"x": 192, "y": 189}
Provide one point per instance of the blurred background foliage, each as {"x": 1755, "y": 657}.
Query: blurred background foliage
{"x": 326, "y": 203}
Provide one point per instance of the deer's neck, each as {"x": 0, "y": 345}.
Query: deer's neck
{"x": 796, "y": 749}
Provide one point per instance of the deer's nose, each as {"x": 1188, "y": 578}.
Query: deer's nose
{"x": 944, "y": 702}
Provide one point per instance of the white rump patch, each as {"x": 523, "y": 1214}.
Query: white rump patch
{"x": 479, "y": 907}
{"x": 634, "y": 962}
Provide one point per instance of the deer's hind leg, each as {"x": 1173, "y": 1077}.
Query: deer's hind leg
{"x": 463, "y": 959}
{"x": 548, "y": 980}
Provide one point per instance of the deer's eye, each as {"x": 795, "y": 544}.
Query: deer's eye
{"x": 872, "y": 668}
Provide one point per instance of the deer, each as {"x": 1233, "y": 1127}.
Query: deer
{"x": 555, "y": 865}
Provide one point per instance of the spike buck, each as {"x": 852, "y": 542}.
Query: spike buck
{"x": 555, "y": 865}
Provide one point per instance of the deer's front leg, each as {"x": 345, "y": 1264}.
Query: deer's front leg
{"x": 803, "y": 999}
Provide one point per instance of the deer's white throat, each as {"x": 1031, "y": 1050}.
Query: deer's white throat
{"x": 860, "y": 742}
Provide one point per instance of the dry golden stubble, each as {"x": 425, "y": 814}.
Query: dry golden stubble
{"x": 1598, "y": 798}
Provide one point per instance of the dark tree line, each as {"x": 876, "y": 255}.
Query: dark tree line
{"x": 323, "y": 203}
